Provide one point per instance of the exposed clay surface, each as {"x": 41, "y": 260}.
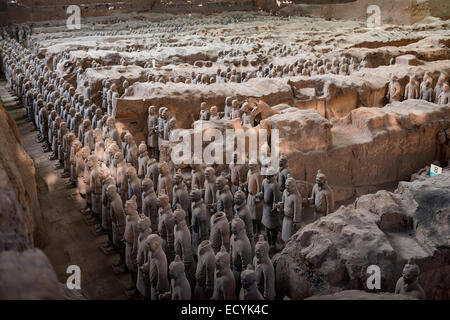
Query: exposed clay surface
{"x": 385, "y": 229}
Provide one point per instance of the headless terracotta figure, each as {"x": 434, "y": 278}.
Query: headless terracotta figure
{"x": 181, "y": 195}
{"x": 131, "y": 236}
{"x": 199, "y": 221}
{"x": 142, "y": 281}
{"x": 150, "y": 203}
{"x": 224, "y": 283}
{"x": 118, "y": 226}
{"x": 166, "y": 226}
{"x": 183, "y": 244}
{"x": 220, "y": 231}
{"x": 241, "y": 209}
{"x": 241, "y": 250}
{"x": 179, "y": 284}
{"x": 205, "y": 271}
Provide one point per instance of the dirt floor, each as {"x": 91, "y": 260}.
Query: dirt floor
{"x": 69, "y": 240}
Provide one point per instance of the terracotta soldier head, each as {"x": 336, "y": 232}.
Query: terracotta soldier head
{"x": 221, "y": 182}
{"x": 152, "y": 110}
{"x": 321, "y": 179}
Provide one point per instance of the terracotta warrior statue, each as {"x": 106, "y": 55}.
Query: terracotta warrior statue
{"x": 408, "y": 284}
{"x": 228, "y": 108}
{"x": 255, "y": 197}
{"x": 142, "y": 160}
{"x": 241, "y": 209}
{"x": 121, "y": 178}
{"x": 427, "y": 76}
{"x": 271, "y": 217}
{"x": 241, "y": 250}
{"x": 199, "y": 220}
{"x": 427, "y": 91}
{"x": 183, "y": 244}
{"x": 224, "y": 197}
{"x": 132, "y": 151}
{"x": 161, "y": 123}
{"x": 249, "y": 285}
{"x": 179, "y": 284}
{"x": 150, "y": 203}
{"x": 152, "y": 127}
{"x": 166, "y": 226}
{"x": 439, "y": 87}
{"x": 95, "y": 186}
{"x": 157, "y": 267}
{"x": 131, "y": 236}
{"x": 210, "y": 190}
{"x": 142, "y": 281}
{"x": 134, "y": 186}
{"x": 265, "y": 272}
{"x": 113, "y": 132}
{"x": 444, "y": 97}
{"x": 412, "y": 90}
{"x": 238, "y": 173}
{"x": 292, "y": 204}
{"x": 224, "y": 283}
{"x": 205, "y": 271}
{"x": 198, "y": 177}
{"x": 283, "y": 172}
{"x": 165, "y": 181}
{"x": 118, "y": 225}
{"x": 321, "y": 197}
{"x": 65, "y": 149}
{"x": 394, "y": 90}
{"x": 153, "y": 172}
{"x": 181, "y": 195}
{"x": 106, "y": 222}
